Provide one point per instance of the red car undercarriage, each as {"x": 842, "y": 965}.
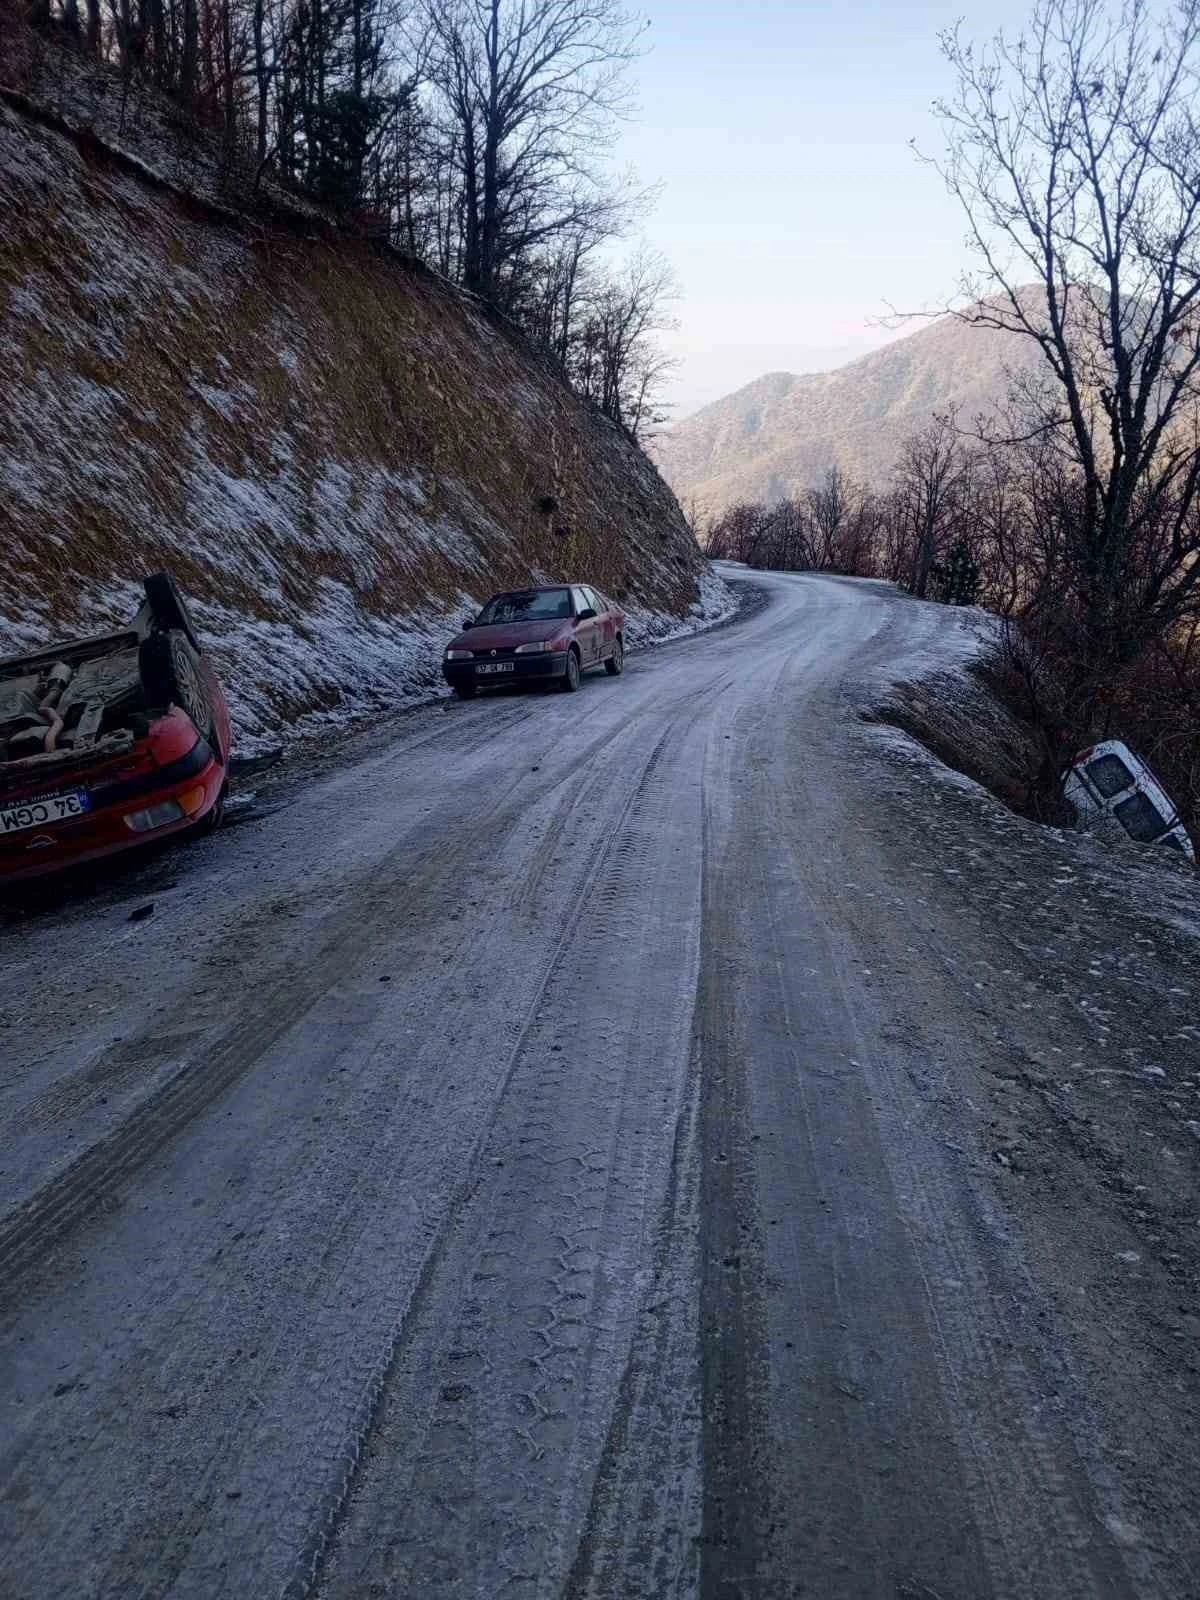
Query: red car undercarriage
{"x": 111, "y": 741}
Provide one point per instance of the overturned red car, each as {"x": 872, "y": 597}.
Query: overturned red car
{"x": 110, "y": 742}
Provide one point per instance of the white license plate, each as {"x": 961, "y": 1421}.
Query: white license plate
{"x": 495, "y": 666}
{"x": 37, "y": 813}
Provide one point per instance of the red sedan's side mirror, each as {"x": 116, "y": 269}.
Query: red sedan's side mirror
{"x": 467, "y": 624}
{"x": 585, "y": 615}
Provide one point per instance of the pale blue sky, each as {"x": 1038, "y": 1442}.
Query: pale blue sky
{"x": 792, "y": 208}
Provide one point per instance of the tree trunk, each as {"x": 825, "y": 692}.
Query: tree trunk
{"x": 228, "y": 103}
{"x": 492, "y": 135}
{"x": 925, "y": 554}
{"x": 316, "y": 132}
{"x": 189, "y": 57}
{"x": 472, "y": 244}
{"x": 155, "y": 25}
{"x": 261, "y": 81}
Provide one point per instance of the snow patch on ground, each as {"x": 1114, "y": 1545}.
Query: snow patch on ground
{"x": 339, "y": 663}
{"x": 951, "y": 638}
{"x": 352, "y": 666}
{"x": 904, "y": 747}
{"x": 716, "y": 604}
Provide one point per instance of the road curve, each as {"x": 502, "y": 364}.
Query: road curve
{"x": 505, "y": 1170}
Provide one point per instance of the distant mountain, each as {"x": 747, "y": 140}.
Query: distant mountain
{"x": 780, "y": 433}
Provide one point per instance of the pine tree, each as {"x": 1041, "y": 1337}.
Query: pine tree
{"x": 956, "y": 579}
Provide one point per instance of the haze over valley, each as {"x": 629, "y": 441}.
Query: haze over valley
{"x": 779, "y": 435}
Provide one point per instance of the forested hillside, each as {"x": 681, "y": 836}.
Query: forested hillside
{"x": 782, "y": 433}
{"x": 331, "y": 447}
{"x": 469, "y": 134}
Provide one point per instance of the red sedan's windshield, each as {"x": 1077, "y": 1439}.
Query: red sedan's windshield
{"x": 526, "y": 605}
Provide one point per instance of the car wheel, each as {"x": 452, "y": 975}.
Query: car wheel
{"x": 212, "y": 820}
{"x": 170, "y": 673}
{"x": 570, "y": 678}
{"x": 169, "y": 608}
{"x": 615, "y": 664}
{"x": 465, "y": 691}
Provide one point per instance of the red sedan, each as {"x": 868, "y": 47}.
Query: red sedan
{"x": 111, "y": 741}
{"x": 553, "y": 634}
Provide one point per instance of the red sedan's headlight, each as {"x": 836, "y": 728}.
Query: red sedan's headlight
{"x": 540, "y": 647}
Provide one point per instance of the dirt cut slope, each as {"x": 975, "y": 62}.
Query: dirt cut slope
{"x": 332, "y": 449}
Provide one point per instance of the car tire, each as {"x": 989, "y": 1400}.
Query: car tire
{"x": 465, "y": 691}
{"x": 571, "y": 677}
{"x": 169, "y": 608}
{"x": 211, "y": 820}
{"x": 615, "y": 665}
{"x": 170, "y": 673}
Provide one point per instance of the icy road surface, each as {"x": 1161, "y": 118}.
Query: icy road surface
{"x": 633, "y": 1145}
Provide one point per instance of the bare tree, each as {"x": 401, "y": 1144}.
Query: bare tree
{"x": 533, "y": 87}
{"x": 828, "y": 508}
{"x": 614, "y": 358}
{"x": 928, "y": 479}
{"x": 1075, "y": 153}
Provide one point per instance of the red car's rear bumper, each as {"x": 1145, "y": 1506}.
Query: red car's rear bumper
{"x": 191, "y": 783}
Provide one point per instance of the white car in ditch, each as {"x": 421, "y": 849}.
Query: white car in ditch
{"x": 1107, "y": 781}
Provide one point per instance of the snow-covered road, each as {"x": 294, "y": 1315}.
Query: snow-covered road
{"x": 547, "y": 1157}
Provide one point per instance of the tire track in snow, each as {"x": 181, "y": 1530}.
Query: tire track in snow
{"x": 574, "y": 1173}
{"x": 640, "y": 1537}
{"x": 93, "y": 1180}
{"x": 311, "y": 1560}
{"x": 193, "y": 1548}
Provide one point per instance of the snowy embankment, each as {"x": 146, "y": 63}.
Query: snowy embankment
{"x": 369, "y": 666}
{"x": 931, "y": 704}
{"x": 937, "y": 714}
{"x": 338, "y": 455}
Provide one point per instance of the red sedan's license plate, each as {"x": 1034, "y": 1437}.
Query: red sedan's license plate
{"x": 495, "y": 666}
{"x": 37, "y": 813}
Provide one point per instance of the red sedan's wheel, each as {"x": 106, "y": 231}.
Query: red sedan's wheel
{"x": 615, "y": 664}
{"x": 169, "y": 607}
{"x": 212, "y": 820}
{"x": 170, "y": 672}
{"x": 571, "y": 677}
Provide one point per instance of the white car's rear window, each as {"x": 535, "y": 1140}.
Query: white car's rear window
{"x": 1109, "y": 774}
{"x": 1141, "y": 818}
